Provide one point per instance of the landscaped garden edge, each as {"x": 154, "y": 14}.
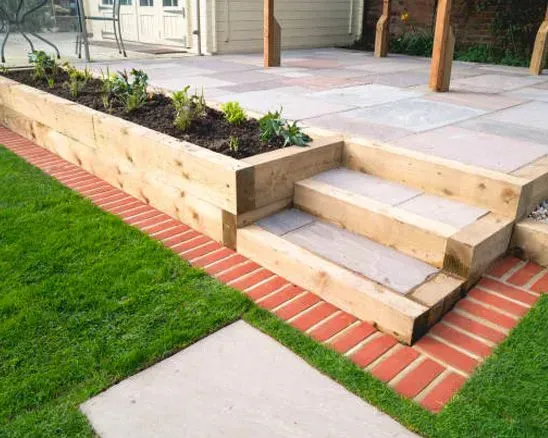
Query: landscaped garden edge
{"x": 209, "y": 191}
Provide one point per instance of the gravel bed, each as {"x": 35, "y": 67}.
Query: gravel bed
{"x": 541, "y": 212}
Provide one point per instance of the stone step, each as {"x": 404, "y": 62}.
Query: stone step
{"x": 431, "y": 228}
{"x": 402, "y": 295}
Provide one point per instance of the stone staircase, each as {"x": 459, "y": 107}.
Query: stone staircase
{"x": 398, "y": 253}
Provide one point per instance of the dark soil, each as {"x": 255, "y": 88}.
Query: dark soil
{"x": 212, "y": 131}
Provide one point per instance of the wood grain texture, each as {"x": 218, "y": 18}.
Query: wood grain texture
{"x": 531, "y": 237}
{"x": 272, "y": 36}
{"x": 442, "y": 52}
{"x": 540, "y": 49}
{"x": 382, "y": 36}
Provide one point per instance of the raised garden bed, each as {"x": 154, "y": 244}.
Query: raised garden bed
{"x": 210, "y": 191}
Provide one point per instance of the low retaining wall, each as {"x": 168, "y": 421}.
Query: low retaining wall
{"x": 211, "y": 192}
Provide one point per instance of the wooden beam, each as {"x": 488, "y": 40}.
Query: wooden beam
{"x": 382, "y": 38}
{"x": 272, "y": 36}
{"x": 538, "y": 60}
{"x": 444, "y": 46}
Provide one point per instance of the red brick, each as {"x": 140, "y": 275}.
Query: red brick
{"x": 394, "y": 364}
{"x": 171, "y": 232}
{"x": 225, "y": 264}
{"x": 266, "y": 288}
{"x": 474, "y": 327}
{"x": 297, "y": 306}
{"x": 152, "y": 213}
{"x": 447, "y": 354}
{"x": 353, "y": 337}
{"x": 498, "y": 302}
{"x": 314, "y": 316}
{"x": 125, "y": 208}
{"x": 509, "y": 291}
{"x": 440, "y": 394}
{"x": 131, "y": 212}
{"x": 280, "y": 297}
{"x": 525, "y": 274}
{"x": 161, "y": 218}
{"x": 503, "y": 266}
{"x": 253, "y": 279}
{"x": 480, "y": 311}
{"x": 541, "y": 286}
{"x": 239, "y": 271}
{"x": 330, "y": 328}
{"x": 202, "y": 250}
{"x": 372, "y": 350}
{"x": 164, "y": 226}
{"x": 108, "y": 198}
{"x": 128, "y": 200}
{"x": 183, "y": 247}
{"x": 80, "y": 179}
{"x": 86, "y": 185}
{"x": 461, "y": 340}
{"x": 179, "y": 238}
{"x": 212, "y": 258}
{"x": 103, "y": 190}
{"x": 418, "y": 378}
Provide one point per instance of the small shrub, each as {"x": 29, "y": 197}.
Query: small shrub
{"x": 415, "y": 43}
{"x": 234, "y": 143}
{"x": 44, "y": 65}
{"x": 273, "y": 126}
{"x": 187, "y": 108}
{"x": 78, "y": 79}
{"x": 3, "y": 69}
{"x": 131, "y": 94}
{"x": 234, "y": 113}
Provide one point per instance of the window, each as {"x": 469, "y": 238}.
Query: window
{"x": 168, "y": 3}
{"x": 146, "y": 2}
{"x": 122, "y": 2}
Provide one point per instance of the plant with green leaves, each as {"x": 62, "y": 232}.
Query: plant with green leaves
{"x": 234, "y": 113}
{"x": 274, "y": 126}
{"x": 45, "y": 66}
{"x": 131, "y": 93}
{"x": 78, "y": 79}
{"x": 187, "y": 107}
{"x": 234, "y": 144}
{"x": 3, "y": 69}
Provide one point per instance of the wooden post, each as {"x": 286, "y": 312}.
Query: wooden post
{"x": 382, "y": 38}
{"x": 444, "y": 48}
{"x": 272, "y": 36}
{"x": 540, "y": 50}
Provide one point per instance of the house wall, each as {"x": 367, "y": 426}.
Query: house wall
{"x": 304, "y": 23}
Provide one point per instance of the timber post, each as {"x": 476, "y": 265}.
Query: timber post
{"x": 272, "y": 36}
{"x": 444, "y": 48}
{"x": 382, "y": 37}
{"x": 538, "y": 59}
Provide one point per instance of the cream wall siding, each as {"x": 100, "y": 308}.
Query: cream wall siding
{"x": 305, "y": 23}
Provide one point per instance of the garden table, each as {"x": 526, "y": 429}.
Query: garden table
{"x": 17, "y": 18}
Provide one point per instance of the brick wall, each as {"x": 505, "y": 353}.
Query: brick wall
{"x": 470, "y": 27}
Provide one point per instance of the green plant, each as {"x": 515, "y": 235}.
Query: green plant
{"x": 3, "y": 69}
{"x": 107, "y": 80}
{"x": 130, "y": 93}
{"x": 78, "y": 79}
{"x": 187, "y": 107}
{"x": 273, "y": 126}
{"x": 415, "y": 43}
{"x": 294, "y": 136}
{"x": 234, "y": 143}
{"x": 51, "y": 82}
{"x": 44, "y": 65}
{"x": 234, "y": 113}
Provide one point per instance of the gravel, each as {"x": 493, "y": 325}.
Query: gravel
{"x": 541, "y": 212}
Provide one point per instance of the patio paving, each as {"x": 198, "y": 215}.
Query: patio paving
{"x": 496, "y": 110}
{"x": 238, "y": 382}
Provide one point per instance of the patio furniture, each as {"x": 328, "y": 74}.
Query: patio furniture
{"x": 16, "y": 20}
{"x": 116, "y": 26}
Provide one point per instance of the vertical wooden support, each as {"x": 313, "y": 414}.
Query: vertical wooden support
{"x": 444, "y": 47}
{"x": 272, "y": 36}
{"x": 540, "y": 51}
{"x": 382, "y": 38}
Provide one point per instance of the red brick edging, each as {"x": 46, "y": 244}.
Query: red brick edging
{"x": 430, "y": 372}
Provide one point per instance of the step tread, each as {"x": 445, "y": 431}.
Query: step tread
{"x": 377, "y": 262}
{"x": 453, "y": 213}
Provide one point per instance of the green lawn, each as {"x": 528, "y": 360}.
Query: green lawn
{"x": 86, "y": 300}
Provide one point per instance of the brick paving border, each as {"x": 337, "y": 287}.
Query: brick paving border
{"x": 430, "y": 372}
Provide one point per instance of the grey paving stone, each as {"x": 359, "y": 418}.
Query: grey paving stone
{"x": 236, "y": 383}
{"x": 416, "y": 114}
{"x": 498, "y": 82}
{"x": 286, "y": 221}
{"x": 506, "y": 129}
{"x": 364, "y": 95}
{"x": 530, "y": 93}
{"x": 532, "y": 115}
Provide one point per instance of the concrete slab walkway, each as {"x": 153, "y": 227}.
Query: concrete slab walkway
{"x": 238, "y": 383}
{"x": 494, "y": 117}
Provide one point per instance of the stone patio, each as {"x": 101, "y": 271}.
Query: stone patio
{"x": 494, "y": 117}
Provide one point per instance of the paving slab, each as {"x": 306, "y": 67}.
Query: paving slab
{"x": 531, "y": 115}
{"x": 236, "y": 383}
{"x": 416, "y": 114}
{"x": 365, "y": 95}
{"x": 506, "y": 129}
{"x": 489, "y": 151}
{"x": 402, "y": 79}
{"x": 290, "y": 220}
{"x": 530, "y": 93}
{"x": 484, "y": 101}
{"x": 498, "y": 82}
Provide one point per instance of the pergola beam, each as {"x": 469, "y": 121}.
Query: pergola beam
{"x": 444, "y": 48}
{"x": 540, "y": 50}
{"x": 382, "y": 37}
{"x": 272, "y": 36}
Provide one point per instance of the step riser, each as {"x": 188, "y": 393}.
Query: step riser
{"x": 406, "y": 232}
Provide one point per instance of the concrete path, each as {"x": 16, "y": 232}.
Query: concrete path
{"x": 494, "y": 117}
{"x": 238, "y": 383}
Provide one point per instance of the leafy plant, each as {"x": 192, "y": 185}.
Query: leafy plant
{"x": 44, "y": 65}
{"x": 273, "y": 126}
{"x": 234, "y": 143}
{"x": 234, "y": 113}
{"x": 416, "y": 43}
{"x": 187, "y": 108}
{"x": 51, "y": 82}
{"x": 130, "y": 93}
{"x": 107, "y": 88}
{"x": 78, "y": 79}
{"x": 3, "y": 69}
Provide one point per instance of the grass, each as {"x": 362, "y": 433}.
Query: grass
{"x": 86, "y": 301}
